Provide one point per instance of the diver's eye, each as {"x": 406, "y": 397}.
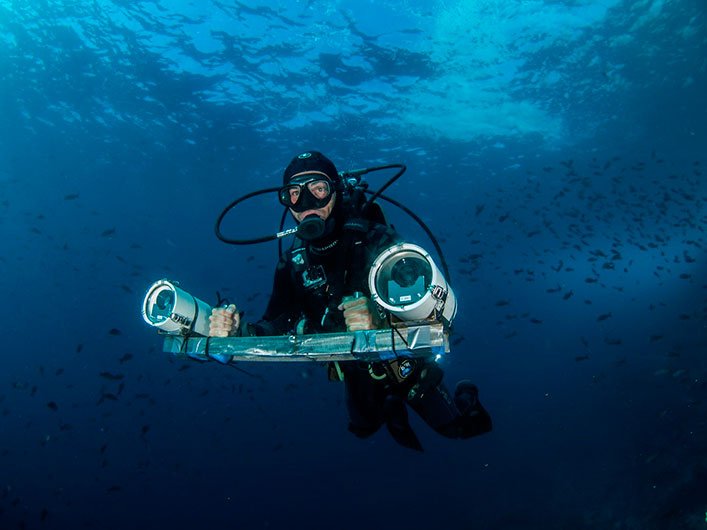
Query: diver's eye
{"x": 319, "y": 189}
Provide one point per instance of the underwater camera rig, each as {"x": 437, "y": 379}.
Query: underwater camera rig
{"x": 404, "y": 281}
{"x": 184, "y": 320}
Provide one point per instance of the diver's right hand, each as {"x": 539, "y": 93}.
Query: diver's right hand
{"x": 224, "y": 321}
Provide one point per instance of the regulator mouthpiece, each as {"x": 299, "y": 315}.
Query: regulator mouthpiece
{"x": 311, "y": 227}
{"x": 173, "y": 310}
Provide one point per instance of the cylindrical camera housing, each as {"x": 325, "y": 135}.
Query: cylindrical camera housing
{"x": 174, "y": 310}
{"x": 405, "y": 281}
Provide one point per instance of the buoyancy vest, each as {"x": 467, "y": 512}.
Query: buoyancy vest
{"x": 322, "y": 278}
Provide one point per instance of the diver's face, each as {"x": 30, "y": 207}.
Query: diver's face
{"x": 324, "y": 212}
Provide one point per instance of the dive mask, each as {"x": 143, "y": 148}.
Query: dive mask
{"x": 308, "y": 192}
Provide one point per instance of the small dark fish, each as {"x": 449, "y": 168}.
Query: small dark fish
{"x": 553, "y": 289}
{"x": 685, "y": 276}
{"x": 126, "y": 288}
{"x": 65, "y": 427}
{"x": 79, "y": 347}
{"x": 603, "y": 316}
{"x": 108, "y": 232}
{"x": 612, "y": 342}
{"x": 53, "y": 406}
{"x": 59, "y": 371}
{"x": 145, "y": 429}
{"x": 125, "y": 358}
{"x": 501, "y": 303}
{"x": 103, "y": 448}
{"x": 536, "y": 321}
{"x": 107, "y": 396}
{"x": 71, "y": 196}
{"x": 591, "y": 280}
{"x": 579, "y": 358}
{"x": 655, "y": 338}
{"x": 567, "y": 295}
{"x": 111, "y": 376}
{"x": 114, "y": 331}
{"x": 43, "y": 515}
{"x": 113, "y": 489}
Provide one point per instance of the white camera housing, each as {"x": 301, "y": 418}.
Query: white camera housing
{"x": 174, "y": 310}
{"x": 405, "y": 281}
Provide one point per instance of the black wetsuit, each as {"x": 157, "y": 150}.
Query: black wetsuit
{"x": 373, "y": 396}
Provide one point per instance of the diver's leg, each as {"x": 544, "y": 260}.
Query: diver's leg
{"x": 372, "y": 403}
{"x": 461, "y": 417}
{"x": 396, "y": 419}
{"x": 364, "y": 402}
{"x": 473, "y": 417}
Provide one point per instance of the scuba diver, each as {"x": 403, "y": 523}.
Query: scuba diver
{"x": 321, "y": 286}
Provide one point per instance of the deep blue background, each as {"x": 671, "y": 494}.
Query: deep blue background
{"x": 553, "y": 147}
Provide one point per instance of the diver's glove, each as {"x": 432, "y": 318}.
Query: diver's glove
{"x": 224, "y": 322}
{"x": 359, "y": 313}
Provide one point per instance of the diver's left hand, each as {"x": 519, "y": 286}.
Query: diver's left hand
{"x": 359, "y": 313}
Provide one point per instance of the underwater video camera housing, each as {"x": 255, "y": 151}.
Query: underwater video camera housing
{"x": 173, "y": 310}
{"x": 405, "y": 281}
{"x": 183, "y": 319}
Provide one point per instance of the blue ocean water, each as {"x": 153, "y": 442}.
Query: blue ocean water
{"x": 556, "y": 149}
